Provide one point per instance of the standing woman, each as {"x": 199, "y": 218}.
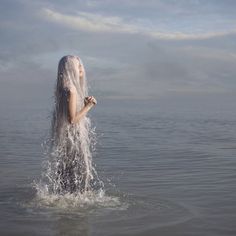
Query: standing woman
{"x": 70, "y": 169}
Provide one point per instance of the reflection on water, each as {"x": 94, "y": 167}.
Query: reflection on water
{"x": 68, "y": 215}
{"x": 166, "y": 172}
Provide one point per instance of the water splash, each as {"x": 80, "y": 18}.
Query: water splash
{"x": 89, "y": 200}
{"x": 68, "y": 168}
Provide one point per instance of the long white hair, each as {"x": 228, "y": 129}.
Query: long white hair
{"x": 70, "y": 167}
{"x": 68, "y": 76}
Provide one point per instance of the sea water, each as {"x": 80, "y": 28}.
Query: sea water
{"x": 167, "y": 170}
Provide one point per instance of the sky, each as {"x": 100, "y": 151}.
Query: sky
{"x": 134, "y": 49}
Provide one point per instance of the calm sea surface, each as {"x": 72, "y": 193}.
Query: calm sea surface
{"x": 168, "y": 171}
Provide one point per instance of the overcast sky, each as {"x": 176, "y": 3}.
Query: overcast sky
{"x": 131, "y": 48}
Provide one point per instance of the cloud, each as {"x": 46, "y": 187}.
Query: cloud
{"x": 118, "y": 44}
{"x": 92, "y": 22}
{"x": 89, "y": 22}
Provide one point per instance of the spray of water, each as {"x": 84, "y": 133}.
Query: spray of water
{"x": 69, "y": 169}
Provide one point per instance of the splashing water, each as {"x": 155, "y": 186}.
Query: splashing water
{"x": 69, "y": 169}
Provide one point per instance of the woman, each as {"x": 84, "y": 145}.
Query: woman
{"x": 70, "y": 169}
{"x": 72, "y": 87}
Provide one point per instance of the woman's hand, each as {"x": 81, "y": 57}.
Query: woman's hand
{"x": 90, "y": 101}
{"x": 75, "y": 117}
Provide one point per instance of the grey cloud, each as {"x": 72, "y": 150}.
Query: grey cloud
{"x": 118, "y": 65}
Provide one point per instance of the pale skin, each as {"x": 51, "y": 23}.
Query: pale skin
{"x": 89, "y": 102}
{"x": 74, "y": 116}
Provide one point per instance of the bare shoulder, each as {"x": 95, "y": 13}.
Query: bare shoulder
{"x": 72, "y": 90}
{"x": 72, "y": 96}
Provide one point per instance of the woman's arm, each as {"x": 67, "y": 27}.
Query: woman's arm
{"x": 75, "y": 117}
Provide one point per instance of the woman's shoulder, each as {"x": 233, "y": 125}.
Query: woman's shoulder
{"x": 67, "y": 90}
{"x": 72, "y": 89}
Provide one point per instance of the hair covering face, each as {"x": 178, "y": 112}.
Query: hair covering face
{"x": 71, "y": 76}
